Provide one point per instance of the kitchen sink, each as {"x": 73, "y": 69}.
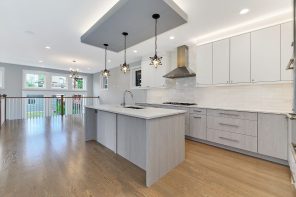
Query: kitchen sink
{"x": 134, "y": 107}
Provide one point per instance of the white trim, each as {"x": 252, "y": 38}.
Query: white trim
{"x": 2, "y": 69}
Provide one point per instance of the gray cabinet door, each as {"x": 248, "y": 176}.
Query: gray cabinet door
{"x": 273, "y": 135}
{"x": 106, "y": 129}
{"x": 221, "y": 62}
{"x": 198, "y": 126}
{"x": 266, "y": 54}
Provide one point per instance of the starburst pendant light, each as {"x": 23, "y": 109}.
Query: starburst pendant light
{"x": 156, "y": 61}
{"x": 105, "y": 72}
{"x": 124, "y": 66}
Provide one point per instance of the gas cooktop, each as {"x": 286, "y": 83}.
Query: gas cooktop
{"x": 179, "y": 103}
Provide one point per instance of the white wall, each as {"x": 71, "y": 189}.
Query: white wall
{"x": 118, "y": 83}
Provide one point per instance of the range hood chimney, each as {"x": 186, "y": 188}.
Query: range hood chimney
{"x": 182, "y": 69}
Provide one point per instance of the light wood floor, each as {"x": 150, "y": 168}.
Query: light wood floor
{"x": 49, "y": 158}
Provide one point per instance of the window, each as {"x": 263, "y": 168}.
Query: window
{"x": 34, "y": 80}
{"x": 104, "y": 82}
{"x": 2, "y": 78}
{"x": 80, "y": 83}
{"x": 59, "y": 82}
{"x": 136, "y": 77}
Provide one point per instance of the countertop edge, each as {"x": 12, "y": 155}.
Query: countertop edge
{"x": 267, "y": 111}
{"x": 134, "y": 115}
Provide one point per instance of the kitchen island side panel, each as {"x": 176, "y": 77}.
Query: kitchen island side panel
{"x": 90, "y": 124}
{"x": 165, "y": 146}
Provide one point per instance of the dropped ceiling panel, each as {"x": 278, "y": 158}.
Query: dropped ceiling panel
{"x": 134, "y": 17}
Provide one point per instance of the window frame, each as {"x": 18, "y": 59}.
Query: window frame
{"x": 84, "y": 84}
{"x": 102, "y": 86}
{"x": 25, "y": 72}
{"x": 59, "y": 75}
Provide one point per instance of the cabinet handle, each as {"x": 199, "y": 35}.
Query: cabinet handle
{"x": 227, "y": 114}
{"x": 229, "y": 125}
{"x": 228, "y": 139}
{"x": 197, "y": 111}
{"x": 197, "y": 117}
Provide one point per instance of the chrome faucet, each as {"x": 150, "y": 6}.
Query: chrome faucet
{"x": 124, "y": 95}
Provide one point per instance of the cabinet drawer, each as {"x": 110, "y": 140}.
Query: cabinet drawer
{"x": 232, "y": 114}
{"x": 198, "y": 111}
{"x": 246, "y": 127}
{"x": 235, "y": 140}
{"x": 198, "y": 126}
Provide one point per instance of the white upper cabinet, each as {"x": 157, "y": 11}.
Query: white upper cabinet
{"x": 286, "y": 50}
{"x": 153, "y": 77}
{"x": 240, "y": 59}
{"x": 204, "y": 64}
{"x": 266, "y": 54}
{"x": 221, "y": 62}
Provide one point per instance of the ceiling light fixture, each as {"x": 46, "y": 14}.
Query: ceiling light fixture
{"x": 48, "y": 47}
{"x": 156, "y": 61}
{"x": 244, "y": 11}
{"x": 172, "y": 37}
{"x": 124, "y": 66}
{"x": 135, "y": 51}
{"x": 105, "y": 72}
{"x": 40, "y": 61}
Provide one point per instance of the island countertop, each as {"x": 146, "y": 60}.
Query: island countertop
{"x": 145, "y": 113}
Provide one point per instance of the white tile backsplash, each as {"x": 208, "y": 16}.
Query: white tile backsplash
{"x": 268, "y": 97}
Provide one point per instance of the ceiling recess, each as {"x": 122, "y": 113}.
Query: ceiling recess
{"x": 133, "y": 16}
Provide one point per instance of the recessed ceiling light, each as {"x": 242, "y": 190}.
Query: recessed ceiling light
{"x": 48, "y": 47}
{"x": 172, "y": 37}
{"x": 109, "y": 61}
{"x": 40, "y": 61}
{"x": 244, "y": 11}
{"x": 135, "y": 51}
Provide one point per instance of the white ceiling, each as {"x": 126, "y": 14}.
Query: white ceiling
{"x": 28, "y": 26}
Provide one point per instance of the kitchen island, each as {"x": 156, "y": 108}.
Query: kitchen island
{"x": 151, "y": 138}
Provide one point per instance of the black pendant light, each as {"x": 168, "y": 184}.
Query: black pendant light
{"x": 156, "y": 61}
{"x": 105, "y": 72}
{"x": 124, "y": 66}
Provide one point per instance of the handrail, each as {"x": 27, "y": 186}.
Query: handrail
{"x": 12, "y": 97}
{"x": 65, "y": 105}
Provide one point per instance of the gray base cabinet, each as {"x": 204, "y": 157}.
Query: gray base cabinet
{"x": 198, "y": 126}
{"x": 273, "y": 135}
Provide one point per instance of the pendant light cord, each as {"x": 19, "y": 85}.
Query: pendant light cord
{"x": 105, "y": 57}
{"x": 125, "y": 49}
{"x": 155, "y": 36}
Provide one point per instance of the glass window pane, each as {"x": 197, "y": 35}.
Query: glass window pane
{"x": 59, "y": 82}
{"x": 79, "y": 84}
{"x": 35, "y": 80}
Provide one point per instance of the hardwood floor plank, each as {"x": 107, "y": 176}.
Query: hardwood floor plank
{"x": 49, "y": 158}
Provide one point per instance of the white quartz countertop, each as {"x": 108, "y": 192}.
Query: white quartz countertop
{"x": 242, "y": 109}
{"x": 146, "y": 113}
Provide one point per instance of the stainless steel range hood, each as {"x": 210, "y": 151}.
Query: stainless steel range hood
{"x": 182, "y": 69}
